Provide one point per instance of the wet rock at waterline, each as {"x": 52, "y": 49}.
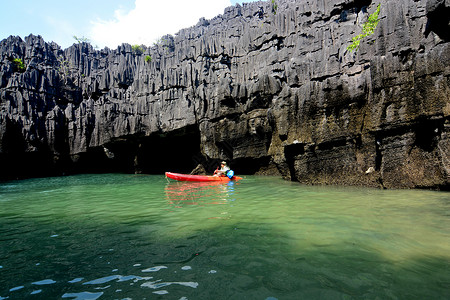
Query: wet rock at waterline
{"x": 271, "y": 93}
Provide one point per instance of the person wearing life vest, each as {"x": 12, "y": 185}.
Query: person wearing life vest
{"x": 223, "y": 169}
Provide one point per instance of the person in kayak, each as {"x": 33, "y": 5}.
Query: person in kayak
{"x": 223, "y": 169}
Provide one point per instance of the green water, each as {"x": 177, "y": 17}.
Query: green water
{"x": 118, "y": 236}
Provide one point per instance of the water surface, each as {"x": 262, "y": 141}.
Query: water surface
{"x": 116, "y": 236}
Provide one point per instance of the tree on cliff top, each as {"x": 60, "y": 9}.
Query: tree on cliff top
{"x": 82, "y": 39}
{"x": 137, "y": 49}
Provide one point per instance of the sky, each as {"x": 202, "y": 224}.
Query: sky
{"x": 105, "y": 22}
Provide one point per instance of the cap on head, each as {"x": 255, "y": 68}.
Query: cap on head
{"x": 223, "y": 163}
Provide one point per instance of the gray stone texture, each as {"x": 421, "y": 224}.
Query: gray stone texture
{"x": 272, "y": 93}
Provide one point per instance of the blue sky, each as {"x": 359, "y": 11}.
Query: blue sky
{"x": 104, "y": 22}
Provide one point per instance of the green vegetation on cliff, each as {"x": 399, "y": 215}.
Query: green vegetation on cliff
{"x": 137, "y": 49}
{"x": 368, "y": 29}
{"x": 82, "y": 39}
{"x": 20, "y": 65}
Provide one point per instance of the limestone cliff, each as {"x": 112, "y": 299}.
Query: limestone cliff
{"x": 270, "y": 91}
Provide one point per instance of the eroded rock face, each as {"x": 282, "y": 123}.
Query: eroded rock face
{"x": 273, "y": 93}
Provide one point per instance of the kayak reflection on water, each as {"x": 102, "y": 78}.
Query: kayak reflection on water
{"x": 180, "y": 194}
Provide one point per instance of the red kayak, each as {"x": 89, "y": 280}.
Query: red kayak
{"x": 186, "y": 177}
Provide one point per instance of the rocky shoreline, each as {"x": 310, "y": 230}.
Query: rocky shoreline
{"x": 274, "y": 94}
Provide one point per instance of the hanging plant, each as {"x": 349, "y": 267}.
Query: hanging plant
{"x": 368, "y": 29}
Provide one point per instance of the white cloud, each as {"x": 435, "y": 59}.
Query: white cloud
{"x": 152, "y": 19}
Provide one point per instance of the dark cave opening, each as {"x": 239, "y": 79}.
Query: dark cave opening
{"x": 115, "y": 157}
{"x": 251, "y": 166}
{"x": 291, "y": 152}
{"x": 178, "y": 151}
{"x": 438, "y": 22}
{"x": 22, "y": 165}
{"x": 427, "y": 135}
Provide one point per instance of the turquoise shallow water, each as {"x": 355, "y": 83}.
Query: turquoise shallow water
{"x": 116, "y": 236}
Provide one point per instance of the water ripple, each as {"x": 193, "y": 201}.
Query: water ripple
{"x": 154, "y": 269}
{"x": 16, "y": 288}
{"x": 44, "y": 282}
{"x": 158, "y": 284}
{"x": 83, "y": 295}
{"x": 119, "y": 278}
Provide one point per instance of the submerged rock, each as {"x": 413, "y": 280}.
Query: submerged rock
{"x": 270, "y": 93}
